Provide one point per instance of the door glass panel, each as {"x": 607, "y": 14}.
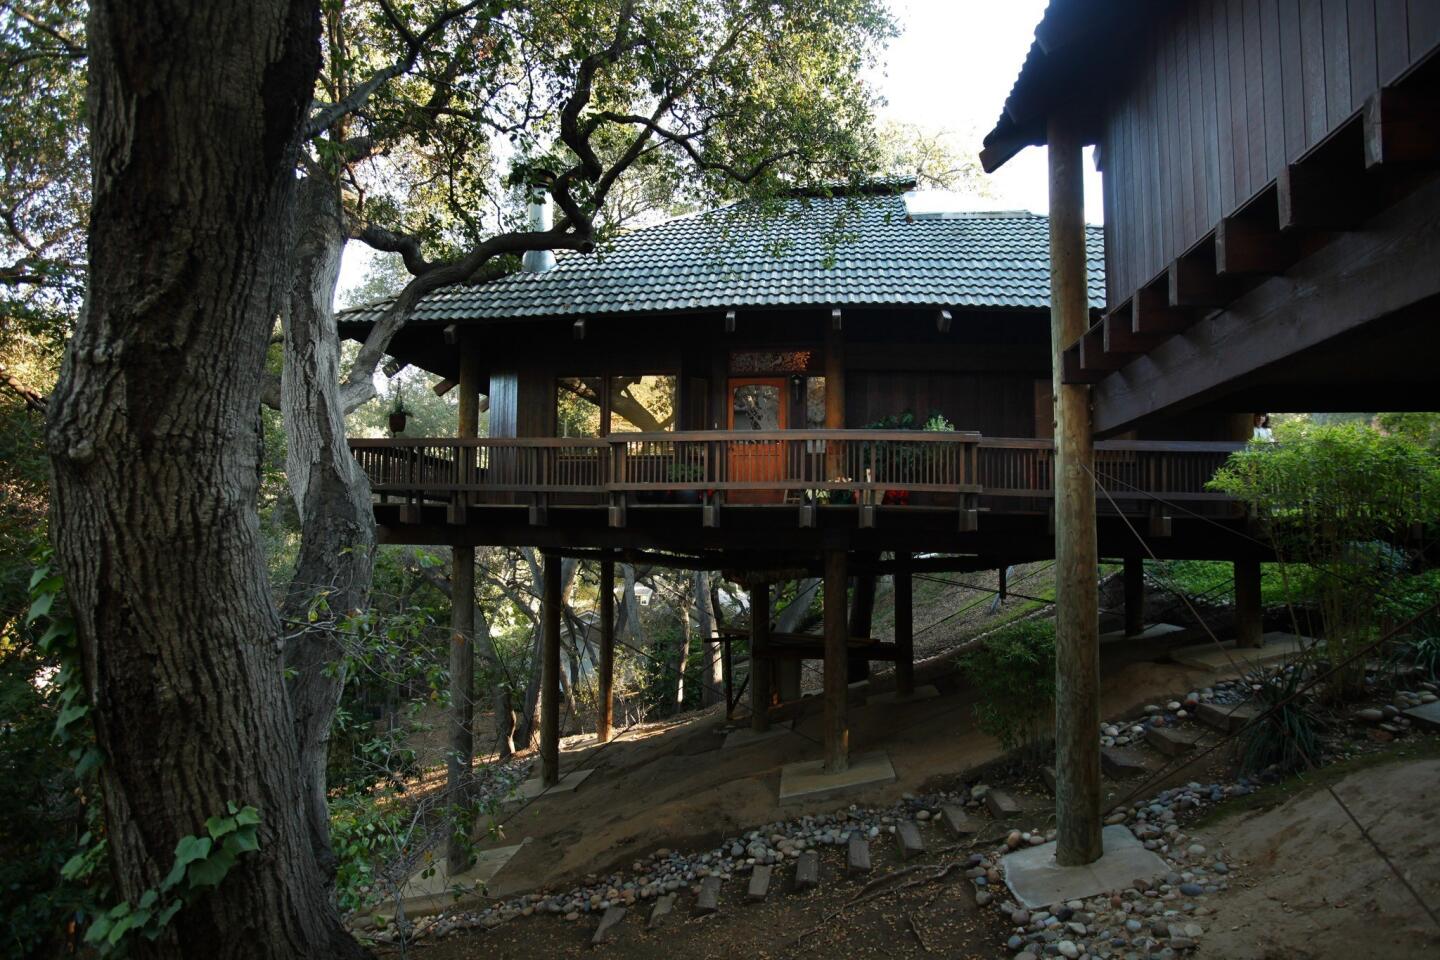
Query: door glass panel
{"x": 757, "y": 407}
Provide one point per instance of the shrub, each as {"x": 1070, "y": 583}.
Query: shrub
{"x": 1288, "y": 739}
{"x": 1339, "y": 497}
{"x": 1013, "y": 670}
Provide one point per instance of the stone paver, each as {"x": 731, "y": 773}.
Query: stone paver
{"x": 1227, "y": 717}
{"x": 709, "y": 900}
{"x": 663, "y": 906}
{"x": 957, "y": 821}
{"x": 1002, "y": 806}
{"x": 1172, "y": 741}
{"x": 1118, "y": 763}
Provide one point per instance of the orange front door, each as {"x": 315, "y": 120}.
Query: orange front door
{"x": 758, "y": 405}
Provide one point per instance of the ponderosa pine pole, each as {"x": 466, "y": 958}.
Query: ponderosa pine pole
{"x": 550, "y": 672}
{"x": 605, "y": 715}
{"x": 1077, "y": 614}
{"x": 461, "y": 757}
{"x": 1134, "y": 596}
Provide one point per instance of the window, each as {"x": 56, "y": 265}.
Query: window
{"x": 577, "y": 406}
{"x": 642, "y": 404}
{"x": 814, "y": 403}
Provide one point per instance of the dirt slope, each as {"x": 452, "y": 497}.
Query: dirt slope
{"x": 1314, "y": 889}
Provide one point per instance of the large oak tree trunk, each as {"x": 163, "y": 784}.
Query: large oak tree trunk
{"x": 333, "y": 572}
{"x": 155, "y": 444}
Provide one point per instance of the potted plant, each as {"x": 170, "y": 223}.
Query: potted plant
{"x": 399, "y": 414}
{"x": 686, "y": 473}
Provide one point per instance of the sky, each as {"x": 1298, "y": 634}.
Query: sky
{"x": 949, "y": 70}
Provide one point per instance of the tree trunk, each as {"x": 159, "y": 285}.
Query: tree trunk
{"x": 711, "y": 676}
{"x": 332, "y": 497}
{"x": 680, "y": 659}
{"x": 155, "y": 446}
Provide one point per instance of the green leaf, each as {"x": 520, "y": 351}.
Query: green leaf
{"x": 247, "y": 816}
{"x": 210, "y": 871}
{"x": 40, "y": 607}
{"x": 217, "y": 827}
{"x": 40, "y": 573}
{"x": 241, "y": 841}
{"x": 99, "y": 927}
{"x": 148, "y": 898}
{"x": 187, "y": 851}
{"x": 163, "y": 917}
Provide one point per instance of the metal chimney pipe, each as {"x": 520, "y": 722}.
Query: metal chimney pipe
{"x": 539, "y": 261}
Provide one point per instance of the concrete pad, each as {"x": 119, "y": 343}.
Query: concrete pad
{"x": 1278, "y": 647}
{"x": 1153, "y": 631}
{"x": 926, "y": 692}
{"x": 1426, "y": 715}
{"x": 439, "y": 885}
{"x": 533, "y": 789}
{"x": 810, "y": 781}
{"x": 1037, "y": 880}
{"x": 744, "y": 736}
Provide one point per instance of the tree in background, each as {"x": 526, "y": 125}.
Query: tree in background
{"x": 193, "y": 250}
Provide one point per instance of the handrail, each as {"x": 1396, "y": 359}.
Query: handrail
{"x": 866, "y": 462}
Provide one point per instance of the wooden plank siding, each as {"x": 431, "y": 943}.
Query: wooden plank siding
{"x": 1222, "y": 95}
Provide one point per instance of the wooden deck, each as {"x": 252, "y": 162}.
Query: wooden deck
{"x": 808, "y": 469}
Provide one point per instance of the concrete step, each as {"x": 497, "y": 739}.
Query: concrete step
{"x": 957, "y": 821}
{"x": 907, "y": 840}
{"x": 709, "y": 900}
{"x": 1123, "y": 763}
{"x": 1173, "y": 741}
{"x": 608, "y": 923}
{"x": 1002, "y": 806}
{"x": 1227, "y": 717}
{"x": 759, "y": 883}
{"x": 662, "y": 909}
{"x": 807, "y": 870}
{"x": 857, "y": 859}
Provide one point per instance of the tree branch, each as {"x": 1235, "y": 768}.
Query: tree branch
{"x": 35, "y": 401}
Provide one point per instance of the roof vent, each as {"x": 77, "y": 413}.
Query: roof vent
{"x": 539, "y": 261}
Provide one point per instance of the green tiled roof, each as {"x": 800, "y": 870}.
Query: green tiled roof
{"x": 862, "y": 251}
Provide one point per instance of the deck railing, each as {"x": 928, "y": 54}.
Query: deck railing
{"x": 865, "y": 466}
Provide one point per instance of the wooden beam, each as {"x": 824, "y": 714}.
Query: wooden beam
{"x": 1077, "y": 630}
{"x": 1134, "y": 596}
{"x": 904, "y": 605}
{"x": 759, "y": 666}
{"x": 729, "y": 321}
{"x": 1353, "y": 280}
{"x": 1327, "y": 188}
{"x": 1194, "y": 282}
{"x": 1151, "y": 314}
{"x": 577, "y": 329}
{"x": 1401, "y": 128}
{"x": 445, "y": 386}
{"x": 550, "y": 671}
{"x": 1119, "y": 336}
{"x": 1249, "y": 245}
{"x": 605, "y": 712}
{"x": 451, "y": 333}
{"x": 1072, "y": 372}
{"x": 1248, "y": 627}
{"x": 943, "y": 320}
{"x": 1092, "y": 352}
{"x": 835, "y": 318}
{"x": 837, "y": 679}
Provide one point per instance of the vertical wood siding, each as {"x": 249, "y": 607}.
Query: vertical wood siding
{"x": 1223, "y": 94}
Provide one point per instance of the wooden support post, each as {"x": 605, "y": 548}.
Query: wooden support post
{"x": 904, "y": 631}
{"x": 1248, "y": 628}
{"x": 862, "y": 623}
{"x": 837, "y": 636}
{"x": 605, "y": 714}
{"x": 550, "y": 672}
{"x": 1134, "y": 596}
{"x": 1077, "y": 615}
{"x": 461, "y": 755}
{"x": 759, "y": 662}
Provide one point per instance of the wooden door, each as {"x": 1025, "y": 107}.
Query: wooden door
{"x": 757, "y": 404}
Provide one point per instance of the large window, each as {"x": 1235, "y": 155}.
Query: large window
{"x": 642, "y": 404}
{"x": 577, "y": 406}
{"x": 595, "y": 406}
